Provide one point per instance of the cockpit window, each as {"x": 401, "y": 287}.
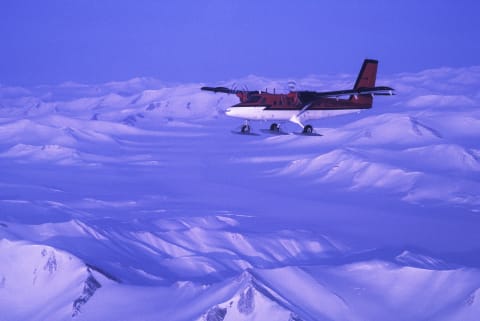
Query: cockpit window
{"x": 253, "y": 99}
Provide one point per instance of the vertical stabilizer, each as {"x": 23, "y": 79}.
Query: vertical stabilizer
{"x": 368, "y": 74}
{"x": 366, "y": 79}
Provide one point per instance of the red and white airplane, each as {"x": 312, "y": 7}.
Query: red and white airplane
{"x": 300, "y": 107}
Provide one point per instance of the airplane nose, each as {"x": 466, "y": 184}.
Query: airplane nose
{"x": 228, "y": 111}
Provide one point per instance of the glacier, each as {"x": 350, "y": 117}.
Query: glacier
{"x": 133, "y": 200}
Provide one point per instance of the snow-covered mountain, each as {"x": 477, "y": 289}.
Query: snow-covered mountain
{"x": 133, "y": 200}
{"x": 39, "y": 282}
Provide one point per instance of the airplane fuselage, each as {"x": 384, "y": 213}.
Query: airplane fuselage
{"x": 282, "y": 107}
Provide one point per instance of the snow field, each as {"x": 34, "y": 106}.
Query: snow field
{"x": 133, "y": 199}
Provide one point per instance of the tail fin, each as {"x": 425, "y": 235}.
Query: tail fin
{"x": 368, "y": 74}
{"x": 366, "y": 79}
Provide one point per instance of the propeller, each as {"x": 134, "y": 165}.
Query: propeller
{"x": 292, "y": 85}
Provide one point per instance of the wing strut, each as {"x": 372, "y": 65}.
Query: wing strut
{"x": 295, "y": 118}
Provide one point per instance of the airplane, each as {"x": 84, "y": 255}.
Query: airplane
{"x": 300, "y": 107}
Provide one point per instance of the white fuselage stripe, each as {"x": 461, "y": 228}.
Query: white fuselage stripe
{"x": 261, "y": 113}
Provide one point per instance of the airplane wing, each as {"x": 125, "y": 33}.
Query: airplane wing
{"x": 226, "y": 90}
{"x": 309, "y": 96}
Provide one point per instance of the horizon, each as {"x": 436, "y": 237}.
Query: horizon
{"x": 332, "y": 75}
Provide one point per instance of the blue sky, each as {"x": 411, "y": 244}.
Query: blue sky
{"x": 91, "y": 41}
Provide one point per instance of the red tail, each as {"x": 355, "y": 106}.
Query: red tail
{"x": 366, "y": 79}
{"x": 368, "y": 74}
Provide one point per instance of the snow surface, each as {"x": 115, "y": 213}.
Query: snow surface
{"x": 134, "y": 201}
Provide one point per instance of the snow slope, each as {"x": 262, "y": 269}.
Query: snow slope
{"x": 39, "y": 282}
{"x": 133, "y": 200}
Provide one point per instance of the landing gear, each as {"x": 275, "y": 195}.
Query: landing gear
{"x": 274, "y": 128}
{"x": 245, "y": 129}
{"x": 308, "y": 129}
